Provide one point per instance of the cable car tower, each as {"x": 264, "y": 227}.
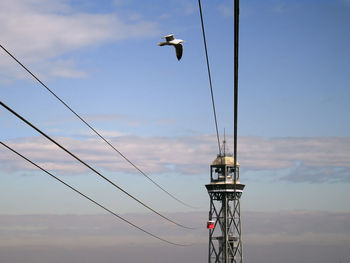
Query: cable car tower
{"x": 225, "y": 189}
{"x": 224, "y": 224}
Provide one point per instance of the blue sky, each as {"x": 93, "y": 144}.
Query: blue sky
{"x": 102, "y": 58}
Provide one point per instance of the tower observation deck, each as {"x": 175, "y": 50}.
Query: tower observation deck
{"x": 224, "y": 224}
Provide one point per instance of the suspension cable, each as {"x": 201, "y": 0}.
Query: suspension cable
{"x": 236, "y": 42}
{"x": 88, "y": 166}
{"x": 209, "y": 76}
{"x": 97, "y": 133}
{"x": 90, "y": 199}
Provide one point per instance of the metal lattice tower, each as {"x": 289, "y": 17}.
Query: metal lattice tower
{"x": 224, "y": 224}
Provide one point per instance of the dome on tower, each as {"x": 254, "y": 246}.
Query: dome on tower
{"x": 224, "y": 160}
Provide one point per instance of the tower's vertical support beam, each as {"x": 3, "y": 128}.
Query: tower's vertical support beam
{"x": 240, "y": 230}
{"x": 224, "y": 230}
{"x": 210, "y": 230}
{"x": 238, "y": 249}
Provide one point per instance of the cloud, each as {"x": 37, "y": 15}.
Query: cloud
{"x": 65, "y": 69}
{"x": 50, "y": 29}
{"x": 259, "y": 153}
{"x": 302, "y": 173}
{"x": 320, "y": 159}
{"x": 27, "y": 230}
{"x": 297, "y": 223}
{"x": 268, "y": 237}
{"x": 303, "y": 227}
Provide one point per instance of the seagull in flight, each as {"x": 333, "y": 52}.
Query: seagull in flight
{"x": 171, "y": 41}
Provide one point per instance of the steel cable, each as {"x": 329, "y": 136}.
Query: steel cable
{"x": 90, "y": 199}
{"x": 209, "y": 75}
{"x": 97, "y": 133}
{"x": 236, "y": 42}
{"x": 88, "y": 166}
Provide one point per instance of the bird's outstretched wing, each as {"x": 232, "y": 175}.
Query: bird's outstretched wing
{"x": 178, "y": 50}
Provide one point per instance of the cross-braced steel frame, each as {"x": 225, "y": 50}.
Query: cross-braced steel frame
{"x": 225, "y": 242}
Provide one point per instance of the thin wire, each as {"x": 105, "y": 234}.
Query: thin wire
{"x": 210, "y": 83}
{"x": 88, "y": 166}
{"x": 90, "y": 199}
{"x": 97, "y": 133}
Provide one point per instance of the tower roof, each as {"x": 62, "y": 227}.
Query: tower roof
{"x": 224, "y": 160}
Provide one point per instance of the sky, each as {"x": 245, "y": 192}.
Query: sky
{"x": 103, "y": 60}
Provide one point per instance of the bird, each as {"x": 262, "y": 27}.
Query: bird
{"x": 176, "y": 43}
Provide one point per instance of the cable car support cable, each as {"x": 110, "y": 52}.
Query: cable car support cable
{"x": 88, "y": 166}
{"x": 90, "y": 199}
{"x": 236, "y": 42}
{"x": 97, "y": 133}
{"x": 209, "y": 76}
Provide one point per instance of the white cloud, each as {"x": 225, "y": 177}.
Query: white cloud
{"x": 40, "y": 31}
{"x": 321, "y": 159}
{"x": 259, "y": 153}
{"x": 65, "y": 69}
